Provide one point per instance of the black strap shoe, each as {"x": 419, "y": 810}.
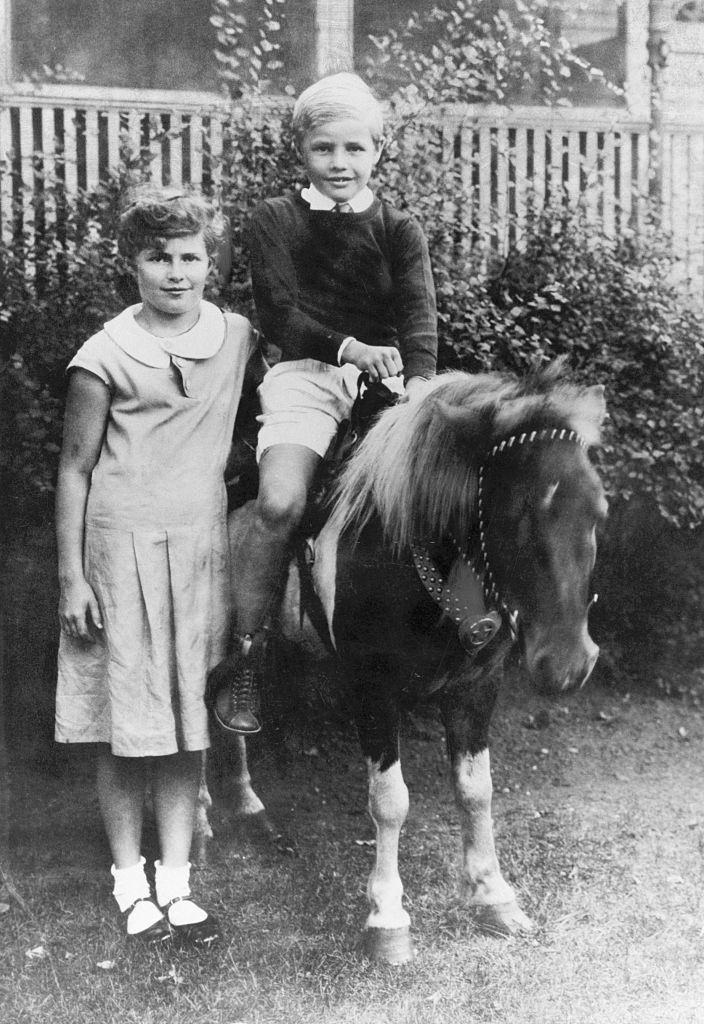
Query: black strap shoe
{"x": 201, "y": 934}
{"x": 155, "y": 934}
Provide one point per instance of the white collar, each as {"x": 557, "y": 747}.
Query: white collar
{"x": 359, "y": 202}
{"x": 202, "y": 341}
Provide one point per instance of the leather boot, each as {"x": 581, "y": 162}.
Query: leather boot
{"x": 233, "y": 690}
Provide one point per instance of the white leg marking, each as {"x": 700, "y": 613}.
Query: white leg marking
{"x": 481, "y": 875}
{"x": 388, "y": 807}
{"x": 245, "y": 801}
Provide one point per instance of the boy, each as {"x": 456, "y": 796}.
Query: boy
{"x": 342, "y": 284}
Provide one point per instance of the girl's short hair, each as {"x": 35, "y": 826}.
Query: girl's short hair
{"x": 152, "y": 215}
{"x": 336, "y": 98}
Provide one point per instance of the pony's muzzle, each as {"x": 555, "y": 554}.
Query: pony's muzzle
{"x": 558, "y": 668}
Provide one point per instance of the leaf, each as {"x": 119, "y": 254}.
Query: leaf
{"x": 173, "y": 975}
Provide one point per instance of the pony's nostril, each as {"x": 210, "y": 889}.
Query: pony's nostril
{"x": 543, "y": 672}
{"x": 553, "y": 673}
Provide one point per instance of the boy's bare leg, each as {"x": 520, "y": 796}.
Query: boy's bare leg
{"x": 286, "y": 473}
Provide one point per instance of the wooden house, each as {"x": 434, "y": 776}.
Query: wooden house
{"x": 77, "y": 76}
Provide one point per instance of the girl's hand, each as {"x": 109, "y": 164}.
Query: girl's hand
{"x": 79, "y": 612}
{"x": 378, "y": 361}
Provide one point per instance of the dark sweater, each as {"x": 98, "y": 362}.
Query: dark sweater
{"x": 320, "y": 277}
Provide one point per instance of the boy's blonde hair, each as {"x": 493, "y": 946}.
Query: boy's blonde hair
{"x": 151, "y": 215}
{"x": 336, "y": 98}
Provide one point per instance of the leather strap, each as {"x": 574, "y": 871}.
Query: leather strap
{"x": 310, "y": 603}
{"x": 460, "y": 596}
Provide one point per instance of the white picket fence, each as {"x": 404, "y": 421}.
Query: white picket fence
{"x": 508, "y": 159}
{"x": 77, "y": 135}
{"x": 515, "y": 160}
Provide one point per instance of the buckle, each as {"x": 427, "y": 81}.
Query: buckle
{"x": 474, "y": 634}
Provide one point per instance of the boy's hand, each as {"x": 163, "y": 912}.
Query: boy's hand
{"x": 415, "y": 388}
{"x": 378, "y": 361}
{"x": 79, "y": 611}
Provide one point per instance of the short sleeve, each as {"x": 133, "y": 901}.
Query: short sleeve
{"x": 94, "y": 356}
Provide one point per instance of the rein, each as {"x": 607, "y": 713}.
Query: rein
{"x": 478, "y": 627}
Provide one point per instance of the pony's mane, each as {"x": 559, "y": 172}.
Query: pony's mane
{"x": 417, "y": 467}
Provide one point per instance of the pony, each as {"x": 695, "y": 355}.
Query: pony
{"x": 485, "y": 477}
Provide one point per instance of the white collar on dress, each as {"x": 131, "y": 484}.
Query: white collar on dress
{"x": 317, "y": 201}
{"x": 202, "y": 341}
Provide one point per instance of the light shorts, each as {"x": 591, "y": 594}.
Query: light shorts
{"x": 304, "y": 401}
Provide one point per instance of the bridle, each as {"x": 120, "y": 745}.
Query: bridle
{"x": 483, "y": 567}
{"x": 476, "y": 634}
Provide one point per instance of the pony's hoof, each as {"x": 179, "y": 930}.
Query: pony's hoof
{"x": 260, "y": 828}
{"x": 503, "y": 920}
{"x": 389, "y": 945}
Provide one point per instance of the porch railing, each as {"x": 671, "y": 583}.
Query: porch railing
{"x": 77, "y": 135}
{"x": 507, "y": 159}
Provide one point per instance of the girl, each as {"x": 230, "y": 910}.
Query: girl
{"x": 143, "y": 554}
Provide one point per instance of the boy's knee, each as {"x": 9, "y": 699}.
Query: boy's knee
{"x": 282, "y": 509}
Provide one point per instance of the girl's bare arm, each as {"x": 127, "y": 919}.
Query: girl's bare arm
{"x": 87, "y": 407}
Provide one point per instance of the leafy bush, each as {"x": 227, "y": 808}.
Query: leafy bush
{"x": 478, "y": 51}
{"x": 249, "y": 55}
{"x": 258, "y": 160}
{"x": 54, "y": 295}
{"x": 610, "y": 304}
{"x": 613, "y": 306}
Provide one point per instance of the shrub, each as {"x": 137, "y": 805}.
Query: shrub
{"x": 54, "y": 295}
{"x": 258, "y": 160}
{"x": 613, "y": 306}
{"x": 479, "y": 51}
{"x": 610, "y": 304}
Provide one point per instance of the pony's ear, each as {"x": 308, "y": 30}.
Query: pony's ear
{"x": 590, "y": 407}
{"x": 472, "y": 424}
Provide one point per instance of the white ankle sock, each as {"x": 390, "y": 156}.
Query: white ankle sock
{"x": 131, "y": 885}
{"x": 172, "y": 883}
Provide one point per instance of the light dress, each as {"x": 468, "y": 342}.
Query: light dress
{"x": 155, "y": 549}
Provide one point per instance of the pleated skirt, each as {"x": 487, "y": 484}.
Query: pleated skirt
{"x": 164, "y": 597}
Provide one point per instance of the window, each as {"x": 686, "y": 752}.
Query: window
{"x": 693, "y": 11}
{"x": 164, "y": 44}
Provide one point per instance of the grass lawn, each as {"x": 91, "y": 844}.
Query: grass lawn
{"x": 600, "y": 826}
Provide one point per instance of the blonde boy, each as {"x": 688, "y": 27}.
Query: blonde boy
{"x": 342, "y": 284}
